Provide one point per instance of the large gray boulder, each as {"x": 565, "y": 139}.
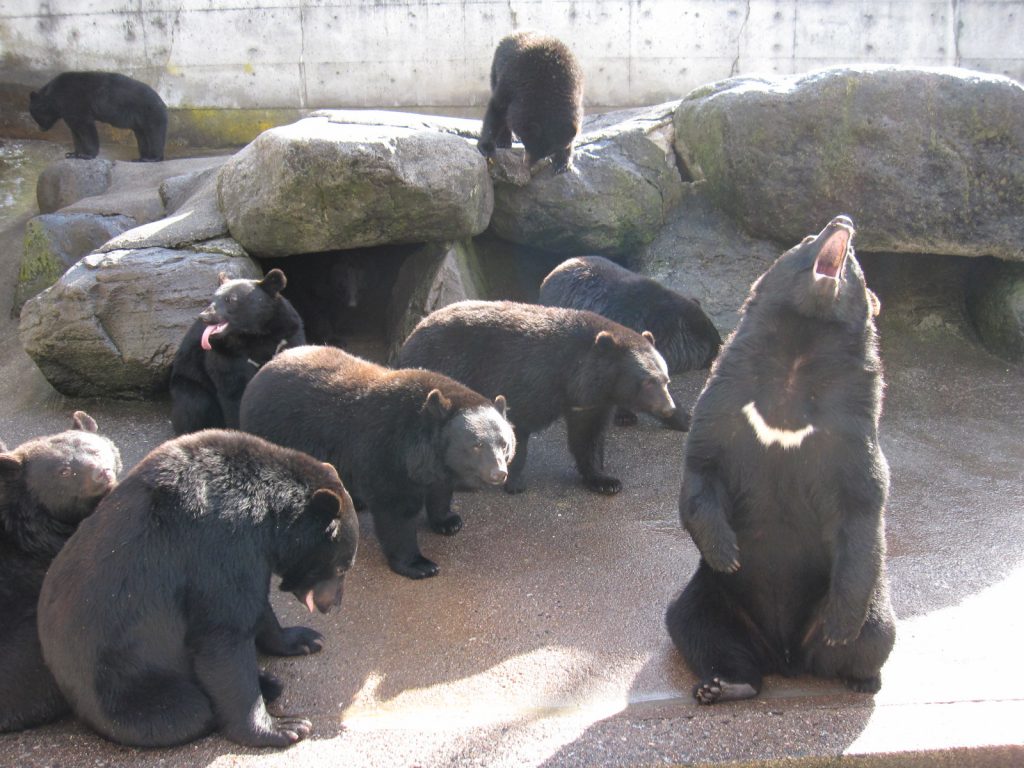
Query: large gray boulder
{"x": 925, "y": 161}
{"x": 112, "y": 323}
{"x": 323, "y": 184}
{"x": 55, "y": 241}
{"x": 625, "y": 183}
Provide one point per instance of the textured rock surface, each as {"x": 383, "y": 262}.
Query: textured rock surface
{"x": 319, "y": 184}
{"x": 67, "y": 181}
{"x": 112, "y": 323}
{"x": 995, "y": 301}
{"x": 625, "y": 183}
{"x": 925, "y": 161}
{"x": 435, "y": 276}
{"x": 701, "y": 253}
{"x": 55, "y": 241}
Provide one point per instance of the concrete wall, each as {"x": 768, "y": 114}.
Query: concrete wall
{"x": 301, "y": 54}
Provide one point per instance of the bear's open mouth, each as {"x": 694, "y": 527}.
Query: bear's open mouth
{"x": 832, "y": 256}
{"x": 209, "y": 331}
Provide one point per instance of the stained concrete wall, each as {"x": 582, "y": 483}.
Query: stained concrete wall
{"x": 302, "y": 54}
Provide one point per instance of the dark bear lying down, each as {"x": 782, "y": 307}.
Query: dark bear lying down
{"x": 784, "y": 486}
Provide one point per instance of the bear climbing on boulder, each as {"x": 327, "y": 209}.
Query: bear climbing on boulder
{"x": 537, "y": 94}
{"x": 394, "y": 435}
{"x": 48, "y": 485}
{"x": 248, "y": 322}
{"x": 82, "y": 98}
{"x": 784, "y": 486}
{"x": 151, "y": 616}
{"x": 683, "y": 334}
{"x": 548, "y": 362}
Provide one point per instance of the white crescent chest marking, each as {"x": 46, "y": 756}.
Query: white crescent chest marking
{"x": 768, "y": 436}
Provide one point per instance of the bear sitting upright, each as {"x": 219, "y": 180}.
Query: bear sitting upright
{"x": 536, "y": 93}
{"x": 683, "y": 334}
{"x": 784, "y": 485}
{"x": 82, "y": 98}
{"x": 392, "y": 434}
{"x": 248, "y": 322}
{"x": 151, "y": 616}
{"x": 548, "y": 362}
{"x": 47, "y": 486}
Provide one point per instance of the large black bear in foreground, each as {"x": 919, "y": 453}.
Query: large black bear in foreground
{"x": 47, "y": 486}
{"x": 151, "y": 615}
{"x": 82, "y": 98}
{"x": 548, "y": 362}
{"x": 393, "y": 435}
{"x": 536, "y": 93}
{"x": 683, "y": 334}
{"x": 247, "y": 323}
{"x": 784, "y": 486}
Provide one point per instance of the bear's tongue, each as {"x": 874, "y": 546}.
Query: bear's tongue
{"x": 310, "y": 602}
{"x": 209, "y": 331}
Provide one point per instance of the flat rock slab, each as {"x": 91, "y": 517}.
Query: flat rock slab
{"x": 924, "y": 160}
{"x": 618, "y": 197}
{"x": 320, "y": 185}
{"x": 111, "y": 325}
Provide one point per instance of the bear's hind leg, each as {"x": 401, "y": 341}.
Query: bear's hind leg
{"x": 714, "y": 642}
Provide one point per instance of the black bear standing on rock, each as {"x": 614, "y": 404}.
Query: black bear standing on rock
{"x": 82, "y": 98}
{"x": 47, "y": 486}
{"x": 537, "y": 94}
{"x": 548, "y": 362}
{"x": 248, "y": 322}
{"x": 683, "y": 334}
{"x": 784, "y": 486}
{"x": 392, "y": 434}
{"x": 152, "y": 614}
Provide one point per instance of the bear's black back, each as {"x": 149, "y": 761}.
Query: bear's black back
{"x": 109, "y": 97}
{"x": 684, "y": 335}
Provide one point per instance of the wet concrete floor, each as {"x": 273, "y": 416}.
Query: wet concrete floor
{"x": 541, "y": 641}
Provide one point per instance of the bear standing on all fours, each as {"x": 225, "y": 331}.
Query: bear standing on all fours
{"x": 537, "y": 94}
{"x": 784, "y": 486}
{"x": 151, "y": 616}
{"x": 548, "y": 362}
{"x": 683, "y": 334}
{"x": 47, "y": 486}
{"x": 248, "y": 322}
{"x": 394, "y": 436}
{"x": 82, "y": 98}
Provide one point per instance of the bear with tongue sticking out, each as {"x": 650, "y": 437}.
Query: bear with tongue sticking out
{"x": 248, "y": 322}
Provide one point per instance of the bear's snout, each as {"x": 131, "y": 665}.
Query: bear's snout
{"x": 498, "y": 476}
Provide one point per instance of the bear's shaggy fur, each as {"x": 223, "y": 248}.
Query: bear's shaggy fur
{"x": 784, "y": 486}
{"x": 47, "y": 486}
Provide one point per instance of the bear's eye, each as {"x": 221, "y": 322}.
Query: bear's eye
{"x": 478, "y": 447}
{"x": 232, "y": 299}
{"x": 65, "y": 472}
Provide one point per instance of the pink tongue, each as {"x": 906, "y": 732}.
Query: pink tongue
{"x": 309, "y": 602}
{"x": 209, "y": 331}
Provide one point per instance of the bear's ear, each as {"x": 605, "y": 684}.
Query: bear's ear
{"x": 501, "y": 404}
{"x": 324, "y": 508}
{"x": 605, "y": 341}
{"x": 84, "y": 422}
{"x": 874, "y": 303}
{"x": 10, "y": 465}
{"x": 649, "y": 336}
{"x": 222, "y": 277}
{"x": 437, "y": 405}
{"x": 274, "y": 282}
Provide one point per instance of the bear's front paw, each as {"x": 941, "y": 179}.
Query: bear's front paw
{"x": 487, "y": 148}
{"x": 839, "y": 629}
{"x": 447, "y": 527}
{"x": 717, "y": 689}
{"x": 299, "y": 641}
{"x": 514, "y": 486}
{"x": 605, "y": 484}
{"x": 724, "y": 556}
{"x": 679, "y": 420}
{"x": 417, "y": 568}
